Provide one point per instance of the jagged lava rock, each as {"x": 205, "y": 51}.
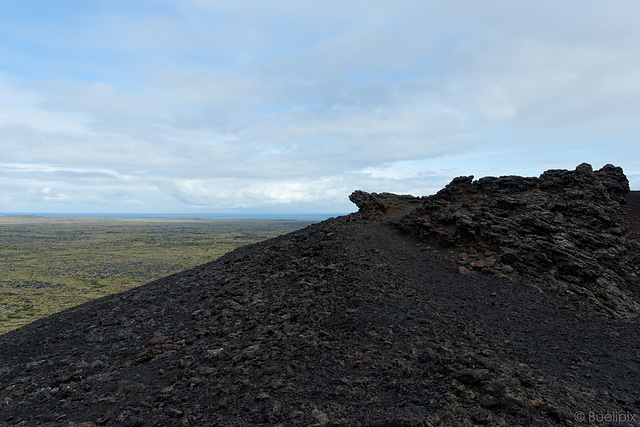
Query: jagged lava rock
{"x": 367, "y": 202}
{"x": 565, "y": 230}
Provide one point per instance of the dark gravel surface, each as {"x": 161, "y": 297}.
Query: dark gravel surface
{"x": 346, "y": 322}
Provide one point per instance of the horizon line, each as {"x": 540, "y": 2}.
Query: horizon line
{"x": 184, "y": 215}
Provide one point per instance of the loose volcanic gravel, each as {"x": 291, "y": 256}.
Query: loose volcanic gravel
{"x": 346, "y": 322}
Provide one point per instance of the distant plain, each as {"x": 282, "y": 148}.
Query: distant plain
{"x": 51, "y": 264}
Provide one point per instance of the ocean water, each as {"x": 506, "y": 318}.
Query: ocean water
{"x": 269, "y": 216}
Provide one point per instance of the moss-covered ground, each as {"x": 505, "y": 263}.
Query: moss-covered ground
{"x": 51, "y": 264}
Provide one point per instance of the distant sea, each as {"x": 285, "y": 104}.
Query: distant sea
{"x": 270, "y": 216}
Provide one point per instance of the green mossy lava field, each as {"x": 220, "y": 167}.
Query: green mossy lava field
{"x": 51, "y": 264}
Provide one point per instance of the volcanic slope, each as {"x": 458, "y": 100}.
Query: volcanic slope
{"x": 346, "y": 322}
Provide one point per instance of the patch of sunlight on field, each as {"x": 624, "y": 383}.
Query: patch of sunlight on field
{"x": 51, "y": 264}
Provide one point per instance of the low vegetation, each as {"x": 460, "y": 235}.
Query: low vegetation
{"x": 50, "y": 264}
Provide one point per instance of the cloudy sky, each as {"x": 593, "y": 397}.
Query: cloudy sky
{"x": 290, "y": 105}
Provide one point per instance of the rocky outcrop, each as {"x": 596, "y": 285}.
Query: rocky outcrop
{"x": 367, "y": 203}
{"x": 375, "y": 206}
{"x": 564, "y": 230}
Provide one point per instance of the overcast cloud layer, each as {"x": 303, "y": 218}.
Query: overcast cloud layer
{"x": 290, "y": 105}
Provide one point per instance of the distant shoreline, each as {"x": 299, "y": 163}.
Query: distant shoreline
{"x": 235, "y": 216}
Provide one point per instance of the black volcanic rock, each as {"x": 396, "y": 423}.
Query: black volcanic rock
{"x": 367, "y": 202}
{"x": 564, "y": 230}
{"x": 347, "y": 322}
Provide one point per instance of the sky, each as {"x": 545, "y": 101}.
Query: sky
{"x": 193, "y": 106}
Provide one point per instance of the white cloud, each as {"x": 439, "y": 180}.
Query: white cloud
{"x": 544, "y": 83}
{"x": 47, "y": 195}
{"x": 20, "y": 108}
{"x": 36, "y": 168}
{"x": 243, "y": 193}
{"x": 223, "y": 104}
